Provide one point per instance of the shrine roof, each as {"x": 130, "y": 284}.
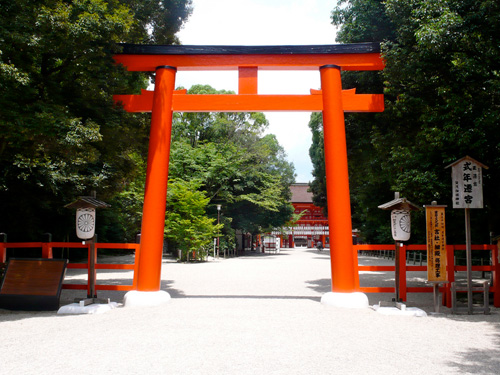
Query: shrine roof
{"x": 150, "y": 49}
{"x": 148, "y": 57}
{"x": 300, "y": 193}
{"x": 87, "y": 202}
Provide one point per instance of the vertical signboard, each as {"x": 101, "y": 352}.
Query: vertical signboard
{"x": 467, "y": 182}
{"x": 467, "y": 185}
{"x": 436, "y": 243}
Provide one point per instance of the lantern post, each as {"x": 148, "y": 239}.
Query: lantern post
{"x": 400, "y": 228}
{"x": 85, "y": 230}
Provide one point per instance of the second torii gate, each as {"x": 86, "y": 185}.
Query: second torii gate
{"x": 248, "y": 60}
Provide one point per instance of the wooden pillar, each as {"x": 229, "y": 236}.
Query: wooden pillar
{"x": 3, "y": 248}
{"x": 450, "y": 271}
{"x": 155, "y": 195}
{"x": 342, "y": 256}
{"x": 92, "y": 274}
{"x": 496, "y": 275}
{"x": 47, "y": 246}
{"x": 401, "y": 264}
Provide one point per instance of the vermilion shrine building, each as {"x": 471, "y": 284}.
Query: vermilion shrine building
{"x": 312, "y": 225}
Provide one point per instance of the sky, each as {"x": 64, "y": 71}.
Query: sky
{"x": 264, "y": 22}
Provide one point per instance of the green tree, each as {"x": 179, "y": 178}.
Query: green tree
{"x": 317, "y": 154}
{"x": 60, "y": 133}
{"x": 187, "y": 223}
{"x": 239, "y": 168}
{"x": 239, "y": 128}
{"x": 441, "y": 90}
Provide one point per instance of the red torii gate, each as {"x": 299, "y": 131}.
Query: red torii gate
{"x": 248, "y": 60}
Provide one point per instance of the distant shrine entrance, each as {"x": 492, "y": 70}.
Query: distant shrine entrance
{"x": 331, "y": 100}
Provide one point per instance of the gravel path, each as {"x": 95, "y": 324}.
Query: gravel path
{"x": 257, "y": 314}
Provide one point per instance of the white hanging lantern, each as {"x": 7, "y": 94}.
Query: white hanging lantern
{"x": 85, "y": 223}
{"x": 400, "y": 225}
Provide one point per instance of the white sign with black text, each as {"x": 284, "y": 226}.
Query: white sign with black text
{"x": 467, "y": 180}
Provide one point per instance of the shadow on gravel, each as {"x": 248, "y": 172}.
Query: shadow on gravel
{"x": 480, "y": 361}
{"x": 68, "y": 296}
{"x": 256, "y": 255}
{"x": 320, "y": 285}
{"x": 205, "y": 296}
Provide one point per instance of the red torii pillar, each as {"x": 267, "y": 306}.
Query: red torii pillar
{"x": 331, "y": 100}
{"x": 155, "y": 195}
{"x": 337, "y": 181}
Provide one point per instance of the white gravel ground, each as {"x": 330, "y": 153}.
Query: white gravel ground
{"x": 257, "y": 314}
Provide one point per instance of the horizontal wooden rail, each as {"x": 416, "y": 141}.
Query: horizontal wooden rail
{"x": 145, "y": 63}
{"x": 376, "y": 268}
{"x": 181, "y": 102}
{"x": 102, "y": 266}
{"x": 121, "y": 288}
{"x": 22, "y": 245}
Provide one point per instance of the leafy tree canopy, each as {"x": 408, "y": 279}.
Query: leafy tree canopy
{"x": 236, "y": 165}
{"x": 61, "y": 134}
{"x": 186, "y": 221}
{"x": 441, "y": 88}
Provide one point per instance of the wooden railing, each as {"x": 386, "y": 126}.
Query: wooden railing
{"x": 494, "y": 268}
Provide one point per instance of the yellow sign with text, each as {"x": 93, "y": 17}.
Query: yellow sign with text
{"x": 436, "y": 243}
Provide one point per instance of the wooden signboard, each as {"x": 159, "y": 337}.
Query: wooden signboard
{"x": 32, "y": 284}
{"x": 436, "y": 243}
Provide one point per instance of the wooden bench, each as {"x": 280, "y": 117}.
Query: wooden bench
{"x": 32, "y": 284}
{"x": 485, "y": 290}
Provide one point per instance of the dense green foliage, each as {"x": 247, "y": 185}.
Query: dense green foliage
{"x": 61, "y": 134}
{"x": 441, "y": 86}
{"x": 187, "y": 223}
{"x": 317, "y": 153}
{"x": 232, "y": 164}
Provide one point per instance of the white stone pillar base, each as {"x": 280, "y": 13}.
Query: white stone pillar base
{"x": 354, "y": 300}
{"x": 135, "y": 298}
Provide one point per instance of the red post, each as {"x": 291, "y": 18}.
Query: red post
{"x": 402, "y": 272}
{"x": 47, "y": 246}
{"x": 247, "y": 80}
{"x": 342, "y": 257}
{"x": 3, "y": 252}
{"x": 496, "y": 276}
{"x": 91, "y": 271}
{"x": 155, "y": 195}
{"x": 46, "y": 250}
{"x": 450, "y": 265}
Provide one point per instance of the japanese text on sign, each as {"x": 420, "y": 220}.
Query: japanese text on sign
{"x": 467, "y": 185}
{"x": 436, "y": 243}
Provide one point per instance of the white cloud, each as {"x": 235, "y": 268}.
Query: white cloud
{"x": 264, "y": 22}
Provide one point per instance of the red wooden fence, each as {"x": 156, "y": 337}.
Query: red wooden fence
{"x": 451, "y": 268}
{"x": 47, "y": 247}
